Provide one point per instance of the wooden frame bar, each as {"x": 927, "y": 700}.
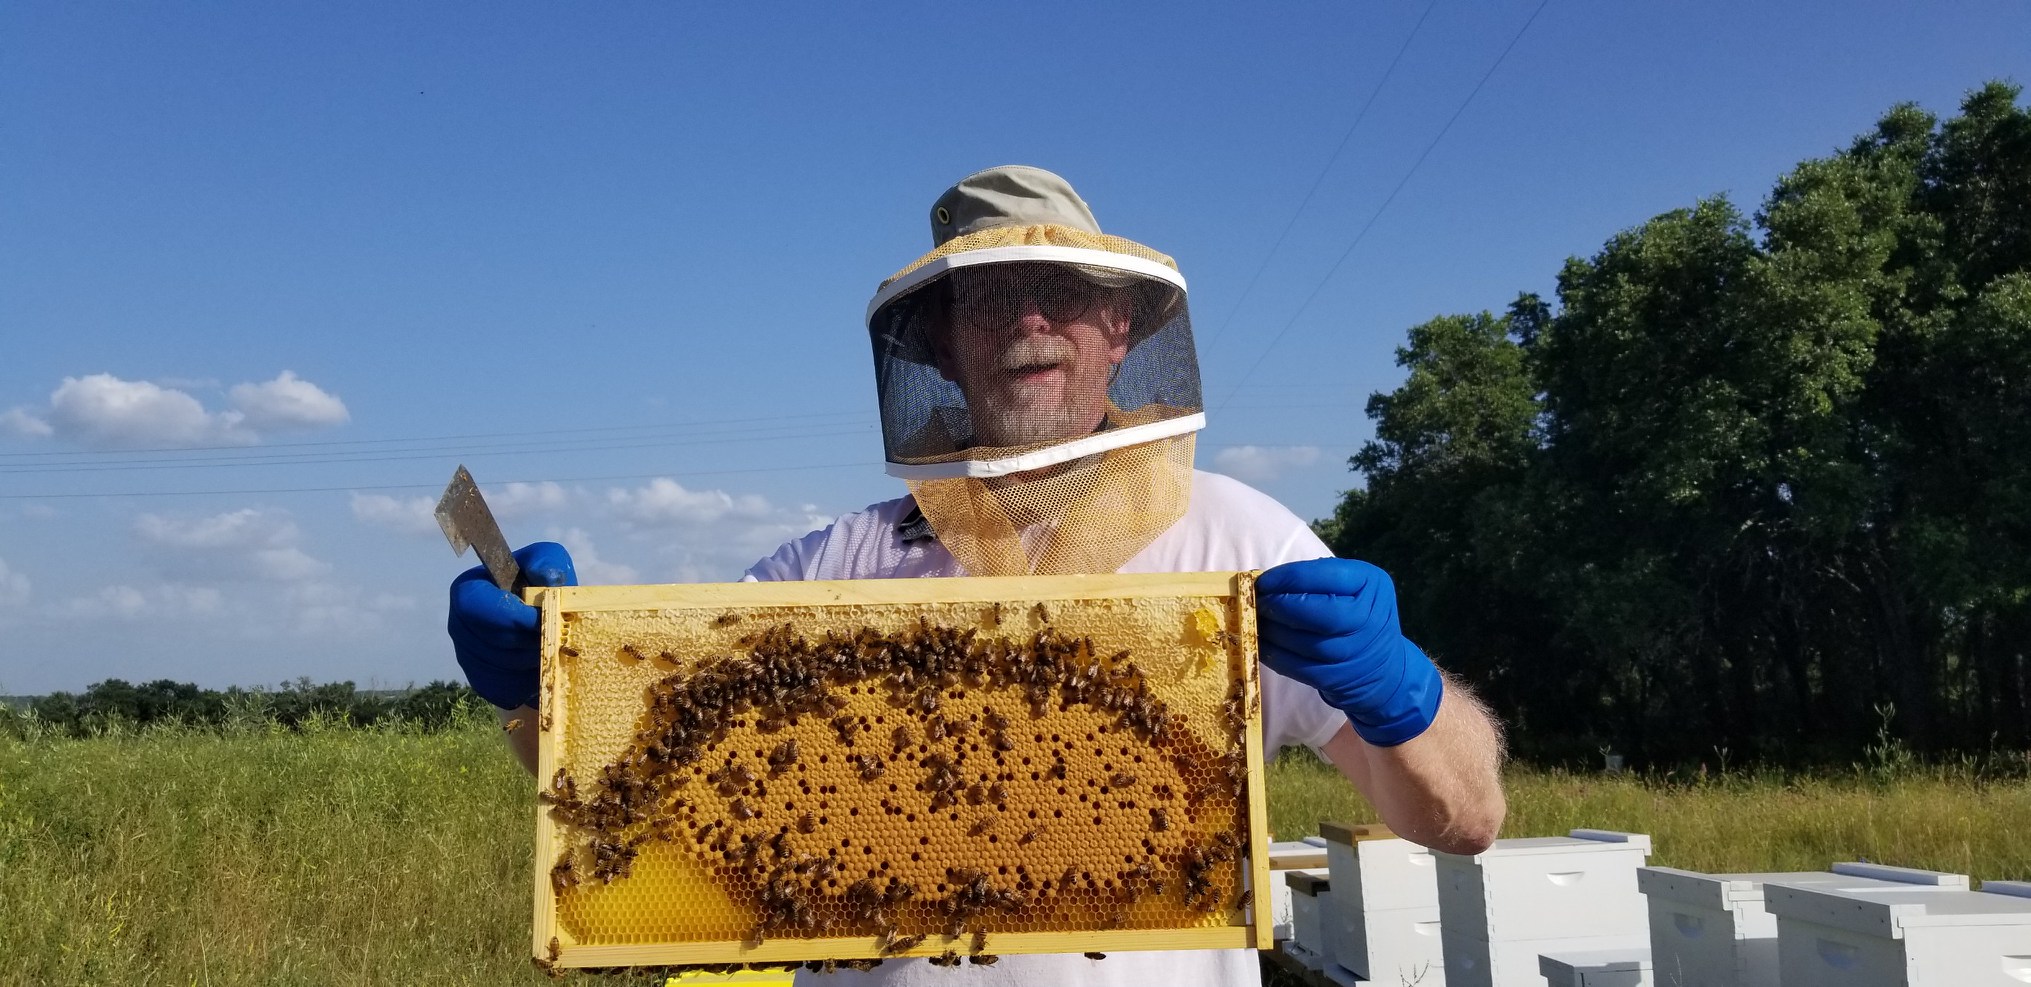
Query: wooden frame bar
{"x": 553, "y": 943}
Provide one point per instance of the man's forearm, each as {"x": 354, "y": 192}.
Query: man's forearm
{"x": 1443, "y": 788}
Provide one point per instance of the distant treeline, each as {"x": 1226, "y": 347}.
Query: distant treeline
{"x": 1755, "y": 487}
{"x": 116, "y": 703}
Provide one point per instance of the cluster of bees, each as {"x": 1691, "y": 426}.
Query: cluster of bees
{"x": 765, "y": 817}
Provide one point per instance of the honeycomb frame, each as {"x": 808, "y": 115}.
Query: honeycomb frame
{"x": 1183, "y": 642}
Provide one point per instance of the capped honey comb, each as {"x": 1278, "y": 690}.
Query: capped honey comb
{"x": 848, "y": 771}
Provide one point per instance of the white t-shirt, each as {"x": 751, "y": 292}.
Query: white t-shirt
{"x": 1228, "y": 526}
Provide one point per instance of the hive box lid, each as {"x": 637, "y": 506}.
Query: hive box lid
{"x": 2018, "y": 889}
{"x": 1723, "y": 891}
{"x": 1348, "y": 833}
{"x": 1295, "y": 855}
{"x": 1565, "y": 967}
{"x": 1887, "y": 914}
{"x": 1580, "y": 839}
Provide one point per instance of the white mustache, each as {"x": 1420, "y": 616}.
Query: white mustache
{"x": 1031, "y": 351}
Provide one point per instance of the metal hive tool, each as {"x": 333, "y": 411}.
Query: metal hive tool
{"x": 846, "y": 771}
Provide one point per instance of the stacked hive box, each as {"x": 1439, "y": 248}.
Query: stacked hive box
{"x": 1712, "y": 930}
{"x": 1502, "y": 908}
{"x": 1901, "y": 937}
{"x": 1308, "y": 855}
{"x": 1311, "y": 941}
{"x": 1384, "y": 909}
{"x": 1597, "y": 968}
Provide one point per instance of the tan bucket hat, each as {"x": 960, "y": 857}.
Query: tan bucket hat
{"x": 1021, "y": 206}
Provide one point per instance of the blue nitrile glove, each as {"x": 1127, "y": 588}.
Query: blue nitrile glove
{"x": 494, "y": 633}
{"x": 1331, "y": 624}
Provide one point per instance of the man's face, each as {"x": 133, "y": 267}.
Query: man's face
{"x": 1033, "y": 347}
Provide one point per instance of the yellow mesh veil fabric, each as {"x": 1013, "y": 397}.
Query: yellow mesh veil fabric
{"x": 1089, "y": 516}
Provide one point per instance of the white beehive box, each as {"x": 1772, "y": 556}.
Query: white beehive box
{"x": 1311, "y": 901}
{"x": 1503, "y": 907}
{"x": 1900, "y": 938}
{"x": 1711, "y": 930}
{"x": 1555, "y": 887}
{"x": 1282, "y": 917}
{"x": 1386, "y": 903}
{"x": 1474, "y": 962}
{"x": 1597, "y": 968}
{"x": 1306, "y": 854}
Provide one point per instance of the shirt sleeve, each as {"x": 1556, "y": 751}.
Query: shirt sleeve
{"x": 791, "y": 561}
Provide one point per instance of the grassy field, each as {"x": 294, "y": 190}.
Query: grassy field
{"x": 339, "y": 856}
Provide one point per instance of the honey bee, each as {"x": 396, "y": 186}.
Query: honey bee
{"x": 946, "y": 958}
{"x": 512, "y": 725}
{"x": 845, "y": 726}
{"x": 976, "y": 794}
{"x": 1159, "y": 820}
{"x": 564, "y": 875}
{"x": 1241, "y": 900}
{"x": 981, "y": 826}
{"x": 979, "y": 940}
{"x": 726, "y": 618}
{"x": 1096, "y": 956}
{"x": 629, "y": 654}
{"x": 902, "y": 945}
{"x": 807, "y": 823}
{"x": 1121, "y": 780}
{"x": 741, "y": 810}
{"x": 901, "y": 739}
{"x": 996, "y": 793}
{"x": 1041, "y": 612}
{"x": 1029, "y": 836}
{"x": 995, "y": 619}
{"x": 983, "y": 959}
{"x": 871, "y": 767}
{"x": 783, "y": 756}
{"x": 567, "y": 651}
{"x": 934, "y": 731}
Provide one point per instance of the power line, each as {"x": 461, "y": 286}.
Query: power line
{"x": 1362, "y": 114}
{"x": 441, "y": 438}
{"x": 1335, "y": 269}
{"x": 468, "y": 451}
{"x": 427, "y": 486}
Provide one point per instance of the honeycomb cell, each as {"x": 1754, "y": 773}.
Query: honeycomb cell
{"x": 900, "y": 774}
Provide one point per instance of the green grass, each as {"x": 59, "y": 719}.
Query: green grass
{"x": 339, "y": 856}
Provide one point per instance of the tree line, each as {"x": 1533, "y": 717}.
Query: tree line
{"x": 116, "y": 703}
{"x": 1751, "y": 487}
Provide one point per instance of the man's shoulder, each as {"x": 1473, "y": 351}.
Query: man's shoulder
{"x": 1221, "y": 492}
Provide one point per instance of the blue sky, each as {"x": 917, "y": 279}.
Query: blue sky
{"x": 268, "y": 272}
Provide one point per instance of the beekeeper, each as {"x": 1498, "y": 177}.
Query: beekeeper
{"x": 1040, "y": 395}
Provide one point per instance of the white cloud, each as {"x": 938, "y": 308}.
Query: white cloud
{"x": 325, "y": 609}
{"x": 521, "y": 499}
{"x": 695, "y": 535}
{"x": 13, "y": 587}
{"x": 665, "y": 503}
{"x": 591, "y": 569}
{"x": 288, "y": 402}
{"x": 18, "y": 422}
{"x": 245, "y": 544}
{"x": 157, "y": 602}
{"x": 104, "y": 411}
{"x": 1258, "y": 464}
{"x": 408, "y": 515}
